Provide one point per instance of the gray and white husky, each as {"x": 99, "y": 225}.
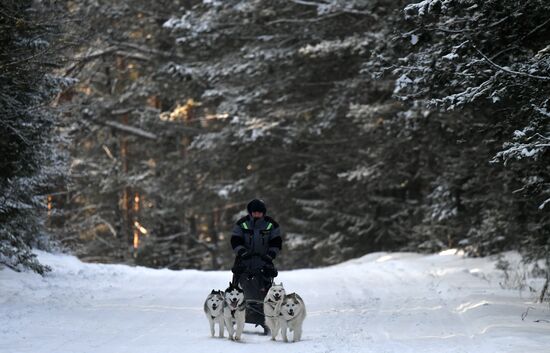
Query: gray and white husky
{"x": 292, "y": 315}
{"x": 234, "y": 311}
{"x": 272, "y": 308}
{"x": 213, "y": 308}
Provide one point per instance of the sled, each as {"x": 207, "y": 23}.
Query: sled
{"x": 255, "y": 284}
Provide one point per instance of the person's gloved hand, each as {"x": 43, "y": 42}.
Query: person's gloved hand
{"x": 269, "y": 270}
{"x": 271, "y": 255}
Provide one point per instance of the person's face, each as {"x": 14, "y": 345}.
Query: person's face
{"x": 257, "y": 214}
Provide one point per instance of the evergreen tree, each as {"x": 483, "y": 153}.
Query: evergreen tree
{"x": 365, "y": 125}
{"x": 487, "y": 60}
{"x": 31, "y": 161}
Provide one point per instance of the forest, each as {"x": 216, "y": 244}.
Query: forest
{"x": 136, "y": 132}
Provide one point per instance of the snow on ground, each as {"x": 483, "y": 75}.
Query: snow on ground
{"x": 380, "y": 303}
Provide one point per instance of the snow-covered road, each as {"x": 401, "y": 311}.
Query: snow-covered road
{"x": 382, "y": 302}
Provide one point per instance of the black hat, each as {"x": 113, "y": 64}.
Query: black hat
{"x": 256, "y": 206}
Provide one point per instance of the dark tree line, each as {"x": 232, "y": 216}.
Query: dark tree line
{"x": 365, "y": 125}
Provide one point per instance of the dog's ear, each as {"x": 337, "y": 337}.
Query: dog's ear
{"x": 213, "y": 291}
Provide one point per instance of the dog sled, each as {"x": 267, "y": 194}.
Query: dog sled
{"x": 255, "y": 282}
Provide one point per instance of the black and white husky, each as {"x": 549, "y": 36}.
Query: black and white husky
{"x": 213, "y": 308}
{"x": 272, "y": 308}
{"x": 234, "y": 311}
{"x": 292, "y": 316}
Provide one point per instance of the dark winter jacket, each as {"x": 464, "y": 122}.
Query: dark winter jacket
{"x": 261, "y": 236}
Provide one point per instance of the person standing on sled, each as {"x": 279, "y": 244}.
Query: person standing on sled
{"x": 256, "y": 241}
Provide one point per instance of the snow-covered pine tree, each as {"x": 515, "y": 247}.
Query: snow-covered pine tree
{"x": 30, "y": 160}
{"x": 487, "y": 64}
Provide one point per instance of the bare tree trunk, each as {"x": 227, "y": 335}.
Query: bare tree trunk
{"x": 544, "y": 289}
{"x": 213, "y": 228}
{"x": 126, "y": 192}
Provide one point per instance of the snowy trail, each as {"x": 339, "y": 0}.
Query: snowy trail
{"x": 383, "y": 302}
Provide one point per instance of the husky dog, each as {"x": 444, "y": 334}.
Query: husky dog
{"x": 213, "y": 308}
{"x": 234, "y": 311}
{"x": 271, "y": 308}
{"x": 292, "y": 315}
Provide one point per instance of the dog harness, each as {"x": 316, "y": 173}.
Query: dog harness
{"x": 273, "y": 305}
{"x": 241, "y": 307}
